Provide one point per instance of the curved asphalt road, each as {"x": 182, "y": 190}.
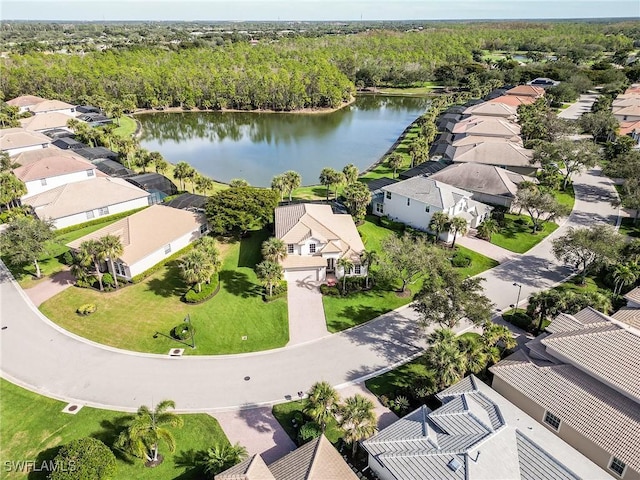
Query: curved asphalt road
{"x": 40, "y": 356}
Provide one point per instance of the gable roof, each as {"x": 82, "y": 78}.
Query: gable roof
{"x": 50, "y": 106}
{"x": 633, "y": 295}
{"x": 481, "y": 178}
{"x": 526, "y": 91}
{"x": 475, "y": 419}
{"x": 513, "y": 100}
{"x": 428, "y": 191}
{"x": 11, "y": 138}
{"x": 629, "y": 127}
{"x": 478, "y": 139}
{"x": 45, "y": 121}
{"x": 492, "y": 110}
{"x": 25, "y": 101}
{"x": 253, "y": 468}
{"x": 631, "y": 110}
{"x": 315, "y": 460}
{"x": 493, "y": 153}
{"x": 628, "y": 315}
{"x": 50, "y": 166}
{"x": 147, "y": 231}
{"x": 487, "y": 126}
{"x": 78, "y": 197}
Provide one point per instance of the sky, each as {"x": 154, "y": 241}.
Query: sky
{"x": 301, "y": 10}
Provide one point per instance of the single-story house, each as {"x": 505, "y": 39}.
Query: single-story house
{"x": 45, "y": 121}
{"x": 188, "y": 201}
{"x": 316, "y": 239}
{"x": 489, "y": 109}
{"x": 25, "y": 102}
{"x": 79, "y": 202}
{"x": 43, "y": 170}
{"x": 51, "y": 106}
{"x": 315, "y": 460}
{"x": 97, "y": 153}
{"x": 415, "y": 200}
{"x": 631, "y": 129}
{"x": 630, "y": 113}
{"x": 626, "y": 101}
{"x": 149, "y": 236}
{"x": 507, "y": 155}
{"x": 488, "y": 184}
{"x": 526, "y": 91}
{"x": 68, "y": 143}
{"x": 156, "y": 184}
{"x": 425, "y": 169}
{"x": 487, "y": 127}
{"x": 18, "y": 140}
{"x": 113, "y": 168}
{"x": 475, "y": 435}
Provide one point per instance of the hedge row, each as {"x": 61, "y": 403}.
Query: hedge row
{"x": 208, "y": 291}
{"x": 97, "y": 221}
{"x": 158, "y": 266}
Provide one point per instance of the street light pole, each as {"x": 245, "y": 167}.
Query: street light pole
{"x": 188, "y": 320}
{"x": 518, "y": 299}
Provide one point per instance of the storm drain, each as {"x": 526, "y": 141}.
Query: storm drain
{"x": 176, "y": 352}
{"x": 72, "y": 408}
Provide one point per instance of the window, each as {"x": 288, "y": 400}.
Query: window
{"x": 103, "y": 211}
{"x": 427, "y": 208}
{"x": 617, "y": 466}
{"x": 388, "y": 195}
{"x": 119, "y": 269}
{"x": 167, "y": 248}
{"x": 90, "y": 214}
{"x": 551, "y": 419}
{"x": 379, "y": 208}
{"x": 312, "y": 248}
{"x": 290, "y": 248}
{"x": 203, "y": 229}
{"x": 90, "y": 173}
{"x": 408, "y": 202}
{"x": 43, "y": 181}
{"x": 357, "y": 269}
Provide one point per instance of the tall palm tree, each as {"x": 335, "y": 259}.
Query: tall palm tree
{"x": 274, "y": 249}
{"x": 494, "y": 334}
{"x": 357, "y": 419}
{"x": 270, "y": 273}
{"x": 346, "y": 264}
{"x": 11, "y": 189}
{"x": 6, "y": 162}
{"x": 458, "y": 226}
{"x": 292, "y": 180}
{"x": 113, "y": 248}
{"x": 445, "y": 357}
{"x": 439, "y": 223}
{"x": 322, "y": 403}
{"x": 156, "y": 158}
{"x": 221, "y": 457}
{"x": 146, "y": 430}
{"x": 350, "y": 173}
{"x": 279, "y": 185}
{"x": 368, "y": 258}
{"x": 623, "y": 275}
{"x": 181, "y": 172}
{"x": 204, "y": 184}
{"x": 196, "y": 267}
{"x": 327, "y": 177}
{"x": 394, "y": 161}
{"x": 93, "y": 251}
{"x": 476, "y": 355}
{"x": 161, "y": 165}
{"x": 487, "y": 228}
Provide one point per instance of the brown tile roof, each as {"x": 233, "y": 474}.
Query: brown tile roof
{"x": 147, "y": 231}
{"x": 19, "y": 137}
{"x": 253, "y": 468}
{"x": 526, "y": 91}
{"x": 478, "y": 139}
{"x": 513, "y": 100}
{"x": 45, "y": 121}
{"x": 316, "y": 460}
{"x": 51, "y": 166}
{"x": 79, "y": 197}
{"x": 630, "y": 316}
{"x": 629, "y": 127}
{"x": 492, "y": 110}
{"x": 25, "y": 101}
{"x": 632, "y": 110}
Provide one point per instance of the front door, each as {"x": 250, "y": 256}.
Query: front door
{"x": 331, "y": 264}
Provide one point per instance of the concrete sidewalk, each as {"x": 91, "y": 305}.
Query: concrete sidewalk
{"x": 50, "y": 287}
{"x": 487, "y": 249}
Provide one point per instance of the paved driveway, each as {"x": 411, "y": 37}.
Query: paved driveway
{"x": 306, "y": 313}
{"x": 50, "y": 287}
{"x": 583, "y": 105}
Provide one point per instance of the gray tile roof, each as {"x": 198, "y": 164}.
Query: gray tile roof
{"x": 428, "y": 191}
{"x": 630, "y": 316}
{"x": 535, "y": 463}
{"x": 634, "y": 295}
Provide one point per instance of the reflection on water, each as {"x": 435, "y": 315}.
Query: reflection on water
{"x": 257, "y": 146}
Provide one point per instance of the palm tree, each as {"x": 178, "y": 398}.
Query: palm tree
{"x": 494, "y": 334}
{"x": 126, "y": 148}
{"x": 274, "y": 249}
{"x": 350, "y": 173}
{"x": 476, "y": 355}
{"x": 327, "y": 176}
{"x": 196, "y": 267}
{"x": 204, "y": 184}
{"x": 278, "y": 184}
{"x": 6, "y": 162}
{"x": 358, "y": 196}
{"x": 394, "y": 161}
{"x": 155, "y": 158}
{"x": 238, "y": 182}
{"x": 221, "y": 457}
{"x": 419, "y": 151}
{"x": 11, "y": 188}
{"x": 93, "y": 251}
{"x": 270, "y": 273}
{"x": 346, "y": 264}
{"x": 623, "y": 275}
{"x": 146, "y": 430}
{"x": 458, "y": 225}
{"x": 445, "y": 358}
{"x": 368, "y": 258}
{"x": 487, "y": 228}
{"x": 322, "y": 403}
{"x": 357, "y": 419}
{"x": 161, "y": 165}
{"x": 113, "y": 248}
{"x": 181, "y": 172}
{"x": 292, "y": 180}
{"x": 439, "y": 223}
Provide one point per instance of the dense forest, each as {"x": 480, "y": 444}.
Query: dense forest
{"x": 323, "y": 71}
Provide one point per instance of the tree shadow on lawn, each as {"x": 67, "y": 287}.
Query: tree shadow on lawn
{"x": 188, "y": 459}
{"x": 359, "y": 314}
{"x": 43, "y": 460}
{"x": 250, "y": 247}
{"x": 170, "y": 284}
{"x": 237, "y": 283}
{"x": 109, "y": 434}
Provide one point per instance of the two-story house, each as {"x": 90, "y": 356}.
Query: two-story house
{"x": 414, "y": 201}
{"x": 316, "y": 239}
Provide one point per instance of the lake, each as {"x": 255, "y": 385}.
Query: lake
{"x": 257, "y": 146}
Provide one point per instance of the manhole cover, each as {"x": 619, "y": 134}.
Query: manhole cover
{"x": 73, "y": 408}
{"x": 246, "y": 379}
{"x": 176, "y": 351}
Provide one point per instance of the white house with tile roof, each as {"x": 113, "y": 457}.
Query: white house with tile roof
{"x": 415, "y": 200}
{"x": 46, "y": 121}
{"x": 80, "y": 202}
{"x": 316, "y": 239}
{"x": 486, "y": 126}
{"x": 50, "y": 106}
{"x": 582, "y": 382}
{"x": 25, "y": 102}
{"x": 475, "y": 435}
{"x": 150, "y": 236}
{"x": 17, "y": 140}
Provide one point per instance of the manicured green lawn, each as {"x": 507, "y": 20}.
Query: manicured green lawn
{"x": 284, "y": 413}
{"x": 416, "y": 90}
{"x": 399, "y": 378}
{"x": 566, "y": 197}
{"x": 627, "y": 227}
{"x": 382, "y": 170}
{"x": 479, "y": 263}
{"x": 126, "y": 128}
{"x": 33, "y": 427}
{"x": 129, "y": 318}
{"x": 516, "y": 234}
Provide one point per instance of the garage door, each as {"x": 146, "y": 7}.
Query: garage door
{"x": 302, "y": 275}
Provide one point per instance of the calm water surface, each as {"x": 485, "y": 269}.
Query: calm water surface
{"x": 257, "y": 146}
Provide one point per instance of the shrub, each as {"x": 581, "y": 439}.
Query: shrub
{"x": 84, "y": 459}
{"x": 279, "y": 291}
{"x": 66, "y": 258}
{"x": 520, "y": 319}
{"x": 330, "y": 291}
{"x": 107, "y": 280}
{"x": 183, "y": 331}
{"x": 460, "y": 260}
{"x": 159, "y": 266}
{"x": 309, "y": 431}
{"x": 352, "y": 284}
{"x": 386, "y": 222}
{"x": 208, "y": 291}
{"x": 87, "y": 309}
{"x": 97, "y": 221}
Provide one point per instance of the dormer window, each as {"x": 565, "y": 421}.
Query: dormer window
{"x": 312, "y": 248}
